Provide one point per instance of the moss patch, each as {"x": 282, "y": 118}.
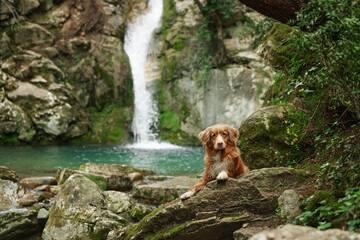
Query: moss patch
{"x": 111, "y": 125}
{"x": 100, "y": 181}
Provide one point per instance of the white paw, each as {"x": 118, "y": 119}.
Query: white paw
{"x": 187, "y": 195}
{"x": 222, "y": 176}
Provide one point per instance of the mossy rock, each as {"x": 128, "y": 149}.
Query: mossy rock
{"x": 276, "y": 47}
{"x": 265, "y": 140}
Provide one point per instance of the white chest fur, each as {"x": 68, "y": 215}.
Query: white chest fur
{"x": 218, "y": 166}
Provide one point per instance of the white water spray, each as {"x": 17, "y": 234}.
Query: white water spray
{"x": 138, "y": 36}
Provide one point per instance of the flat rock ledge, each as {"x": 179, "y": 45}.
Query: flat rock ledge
{"x": 164, "y": 191}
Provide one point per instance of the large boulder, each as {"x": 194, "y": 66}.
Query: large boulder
{"x": 219, "y": 209}
{"x": 293, "y": 232}
{"x": 80, "y": 212}
{"x": 263, "y": 139}
{"x": 13, "y": 120}
{"x": 164, "y": 191}
{"x": 214, "y": 213}
{"x": 119, "y": 181}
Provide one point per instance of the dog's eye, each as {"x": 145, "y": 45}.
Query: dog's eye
{"x": 213, "y": 134}
{"x": 224, "y": 133}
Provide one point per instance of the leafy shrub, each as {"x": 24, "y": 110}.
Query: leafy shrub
{"x": 326, "y": 60}
{"x": 323, "y": 211}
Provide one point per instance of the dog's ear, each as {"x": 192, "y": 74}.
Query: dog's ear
{"x": 204, "y": 136}
{"x": 233, "y": 135}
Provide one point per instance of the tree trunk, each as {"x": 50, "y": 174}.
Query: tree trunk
{"x": 281, "y": 10}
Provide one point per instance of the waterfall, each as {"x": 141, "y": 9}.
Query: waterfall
{"x": 139, "y": 34}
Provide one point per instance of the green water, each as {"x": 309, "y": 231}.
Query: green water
{"x": 44, "y": 160}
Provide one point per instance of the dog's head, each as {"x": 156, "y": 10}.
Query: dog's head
{"x": 219, "y": 136}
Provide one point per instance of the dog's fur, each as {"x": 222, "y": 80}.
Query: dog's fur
{"x": 222, "y": 157}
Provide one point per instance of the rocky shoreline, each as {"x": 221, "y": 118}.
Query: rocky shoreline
{"x": 103, "y": 201}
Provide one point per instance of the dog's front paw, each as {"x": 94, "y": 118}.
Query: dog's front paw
{"x": 222, "y": 176}
{"x": 187, "y": 195}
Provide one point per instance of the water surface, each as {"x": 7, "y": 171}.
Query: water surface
{"x": 42, "y": 160}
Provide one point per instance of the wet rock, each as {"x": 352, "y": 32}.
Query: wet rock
{"x": 294, "y": 232}
{"x": 33, "y": 182}
{"x": 289, "y": 203}
{"x": 7, "y": 174}
{"x": 109, "y": 169}
{"x": 135, "y": 176}
{"x": 10, "y": 194}
{"x": 164, "y": 191}
{"x": 18, "y": 224}
{"x": 80, "y": 212}
{"x": 31, "y": 35}
{"x": 214, "y": 213}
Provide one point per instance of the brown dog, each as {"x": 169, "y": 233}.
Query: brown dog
{"x": 222, "y": 157}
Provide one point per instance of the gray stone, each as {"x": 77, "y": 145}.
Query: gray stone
{"x": 31, "y": 35}
{"x": 164, "y": 191}
{"x": 294, "y": 232}
{"x": 135, "y": 176}
{"x": 27, "y": 6}
{"x": 18, "y": 224}
{"x": 276, "y": 180}
{"x": 118, "y": 182}
{"x": 4, "y": 43}
{"x": 14, "y": 120}
{"x": 80, "y": 212}
{"x": 10, "y": 194}
{"x": 110, "y": 169}
{"x": 43, "y": 214}
{"x": 33, "y": 182}
{"x": 118, "y": 202}
{"x": 289, "y": 203}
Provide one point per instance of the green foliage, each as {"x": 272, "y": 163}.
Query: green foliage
{"x": 323, "y": 210}
{"x": 326, "y": 57}
{"x": 256, "y": 30}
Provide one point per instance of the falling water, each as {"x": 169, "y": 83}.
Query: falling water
{"x": 138, "y": 36}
